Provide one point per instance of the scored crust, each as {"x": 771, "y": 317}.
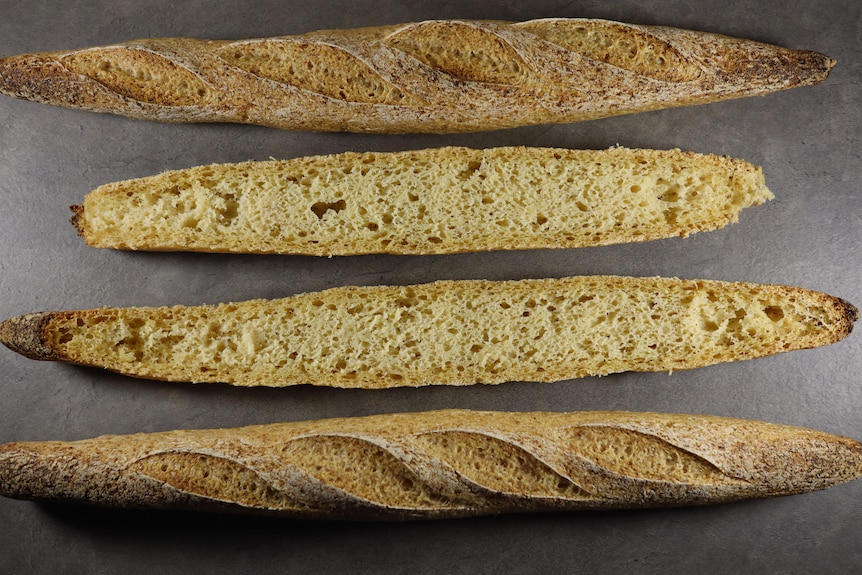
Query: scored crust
{"x": 437, "y": 76}
{"x": 451, "y": 463}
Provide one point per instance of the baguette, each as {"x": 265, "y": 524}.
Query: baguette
{"x": 441, "y": 464}
{"x": 435, "y": 76}
{"x": 424, "y": 202}
{"x": 447, "y": 332}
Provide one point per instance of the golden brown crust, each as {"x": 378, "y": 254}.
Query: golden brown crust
{"x": 78, "y": 220}
{"x": 437, "y": 464}
{"x": 436, "y": 76}
{"x": 26, "y": 335}
{"x": 849, "y": 314}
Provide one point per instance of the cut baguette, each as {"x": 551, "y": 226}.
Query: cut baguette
{"x": 424, "y": 202}
{"x": 437, "y": 464}
{"x": 435, "y": 76}
{"x": 447, "y": 332}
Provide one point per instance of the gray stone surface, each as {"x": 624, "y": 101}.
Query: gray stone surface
{"x": 807, "y": 141}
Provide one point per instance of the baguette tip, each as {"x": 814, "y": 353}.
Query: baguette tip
{"x": 849, "y": 314}
{"x": 25, "y": 335}
{"x": 775, "y": 68}
{"x": 29, "y": 77}
{"x": 77, "y": 219}
{"x": 16, "y": 464}
{"x": 815, "y": 67}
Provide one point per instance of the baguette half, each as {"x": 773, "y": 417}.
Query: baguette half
{"x": 434, "y": 76}
{"x": 433, "y": 201}
{"x": 440, "y": 464}
{"x": 447, "y": 332}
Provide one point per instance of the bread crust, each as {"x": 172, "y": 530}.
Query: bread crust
{"x": 437, "y": 76}
{"x": 849, "y": 315}
{"x": 439, "y": 464}
{"x": 28, "y": 335}
{"x": 444, "y": 333}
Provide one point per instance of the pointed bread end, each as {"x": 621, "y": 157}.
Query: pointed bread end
{"x": 25, "y": 334}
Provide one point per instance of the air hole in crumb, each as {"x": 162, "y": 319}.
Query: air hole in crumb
{"x": 472, "y": 168}
{"x": 671, "y": 215}
{"x": 671, "y": 195}
{"x": 773, "y": 312}
{"x": 320, "y": 208}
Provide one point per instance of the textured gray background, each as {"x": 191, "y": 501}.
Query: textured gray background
{"x": 806, "y": 139}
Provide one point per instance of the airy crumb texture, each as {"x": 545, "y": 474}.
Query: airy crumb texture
{"x": 448, "y": 332}
{"x": 424, "y": 202}
{"x": 437, "y": 464}
{"x": 435, "y": 76}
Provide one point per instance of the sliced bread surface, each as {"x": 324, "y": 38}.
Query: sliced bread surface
{"x": 447, "y": 332}
{"x": 432, "y": 201}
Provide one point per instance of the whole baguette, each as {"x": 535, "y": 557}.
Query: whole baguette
{"x": 447, "y": 332}
{"x": 431, "y": 201}
{"x": 437, "y": 464}
{"x": 434, "y": 76}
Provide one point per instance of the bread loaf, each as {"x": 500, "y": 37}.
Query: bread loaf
{"x": 435, "y": 76}
{"x": 448, "y": 332}
{"x": 437, "y": 464}
{"x": 424, "y": 202}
